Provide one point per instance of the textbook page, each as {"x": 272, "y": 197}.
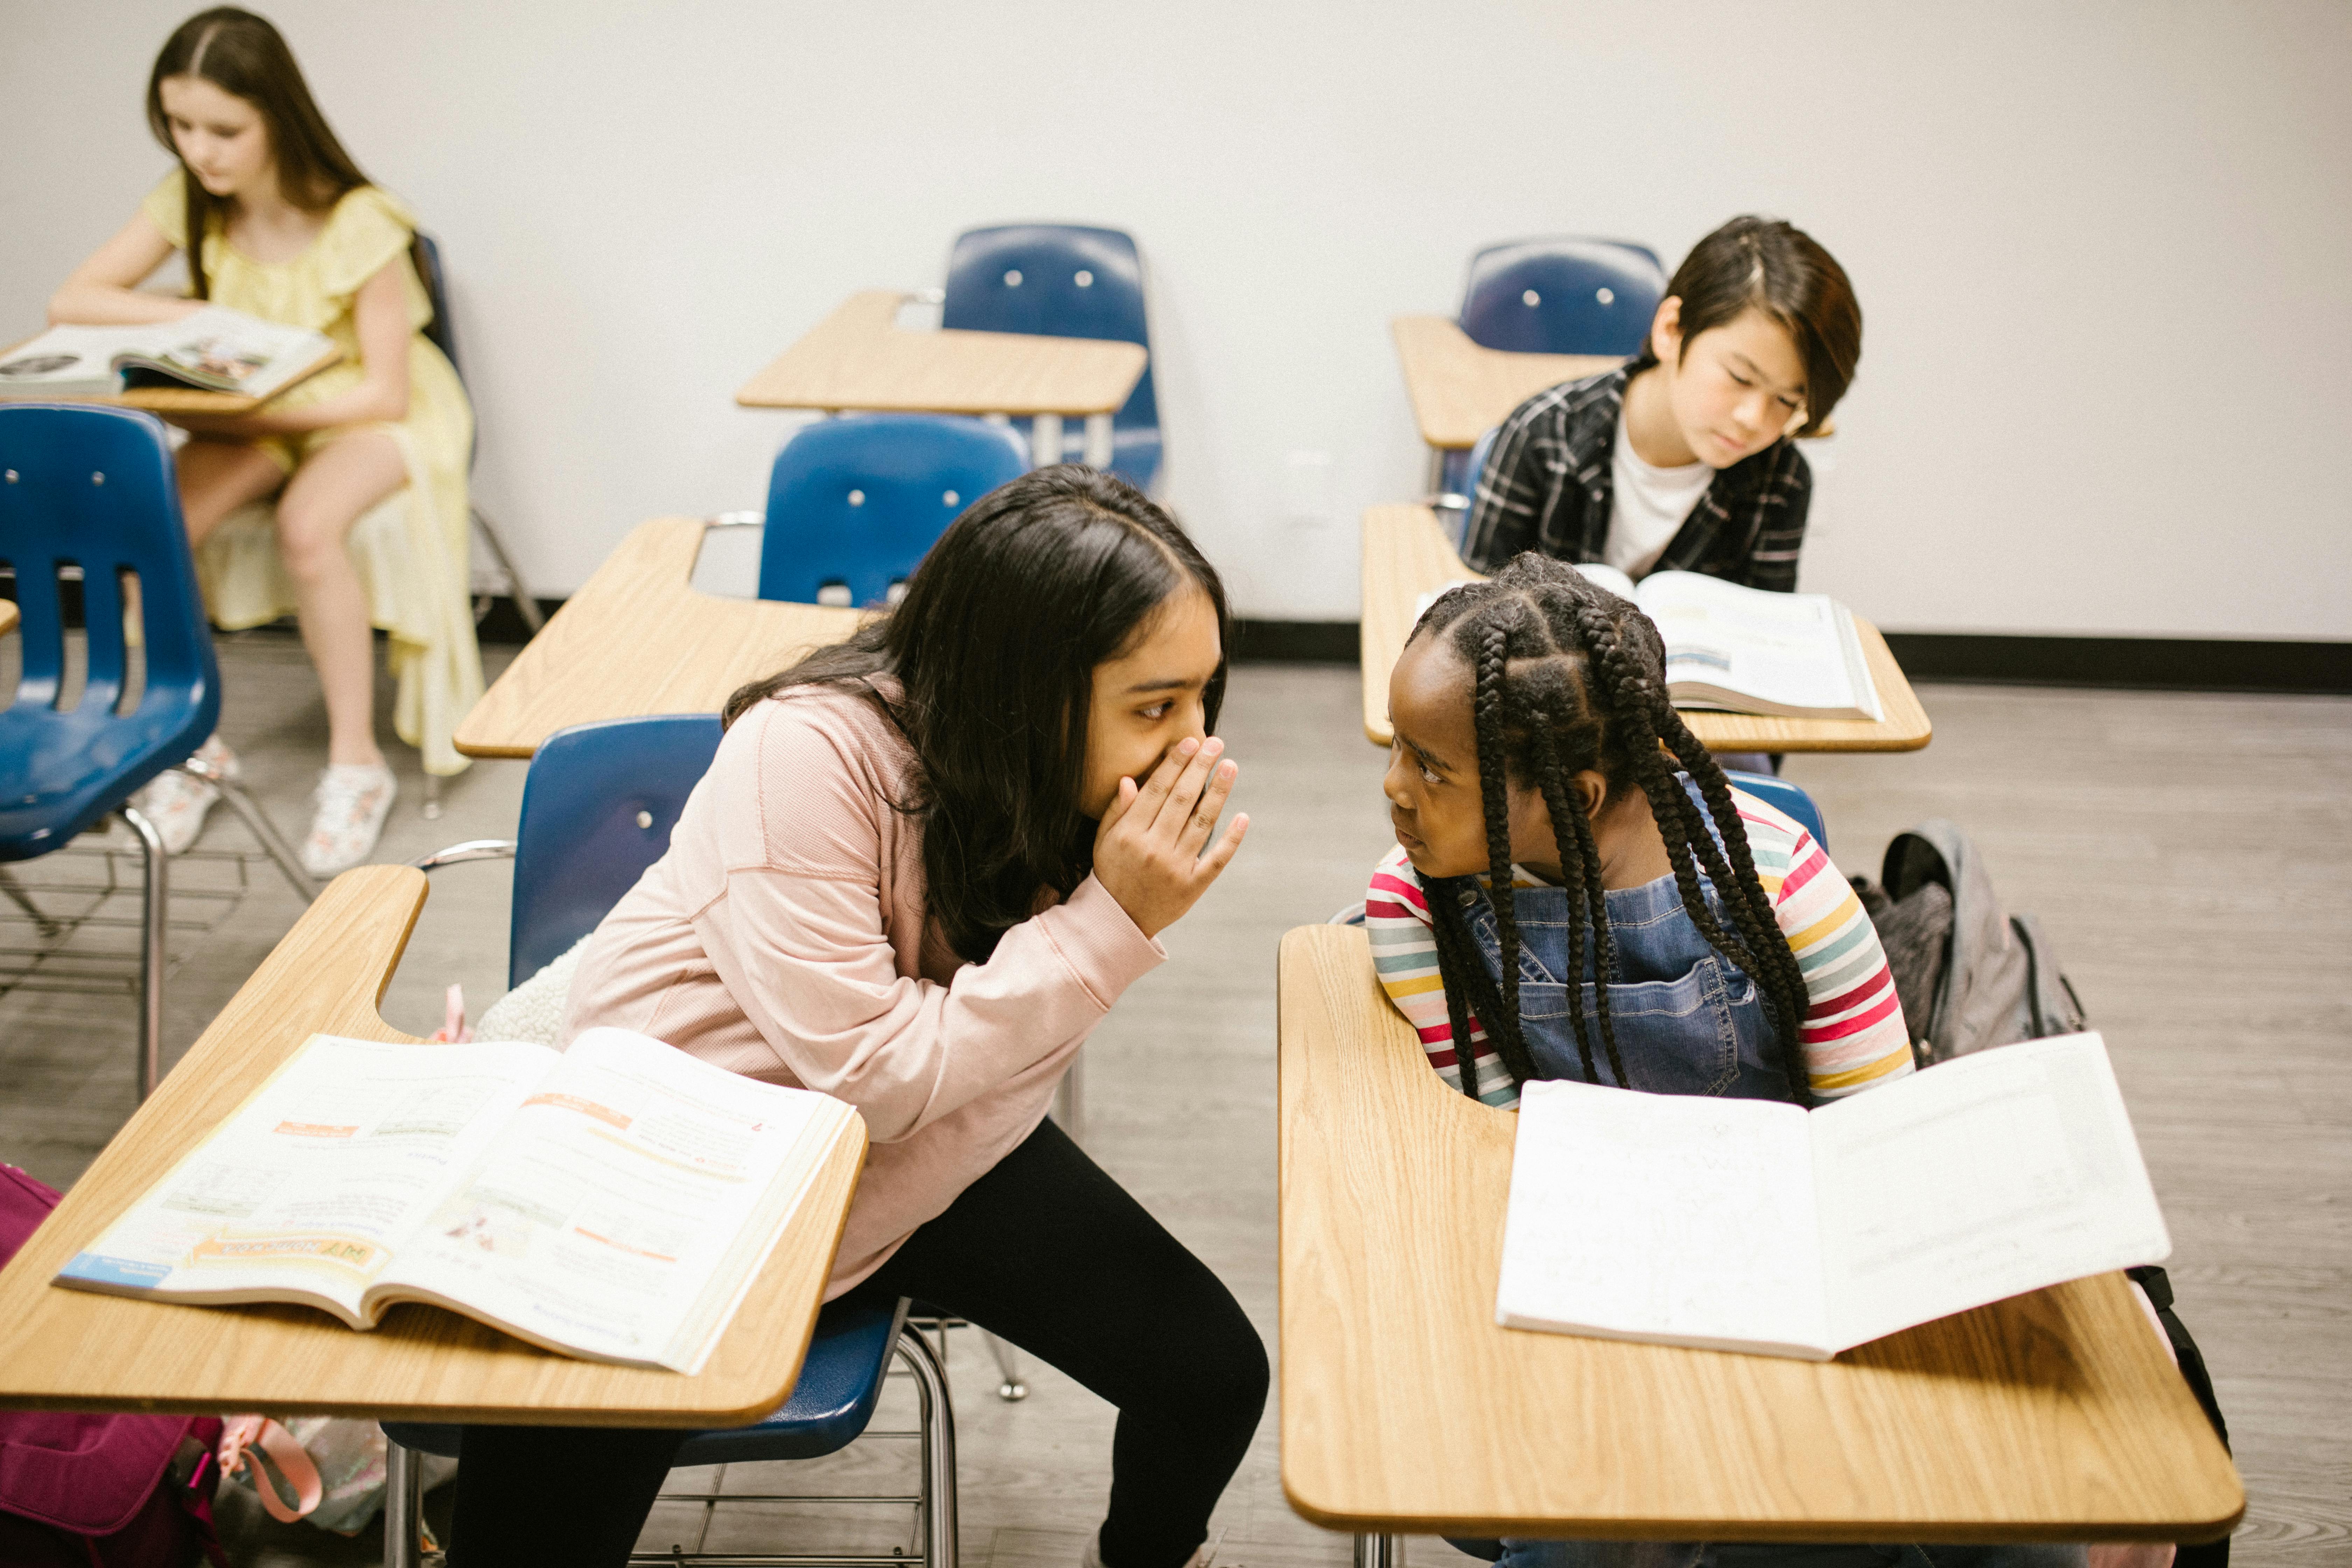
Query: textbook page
{"x": 626, "y": 1205}
{"x": 1792, "y": 651}
{"x": 307, "y": 1191}
{"x": 1682, "y": 1219}
{"x": 215, "y": 347}
{"x": 1978, "y": 1179}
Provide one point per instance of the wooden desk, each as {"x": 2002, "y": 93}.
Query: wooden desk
{"x": 857, "y": 359}
{"x": 71, "y": 1350}
{"x": 1407, "y": 554}
{"x": 1460, "y": 390}
{"x": 7, "y": 616}
{"x": 636, "y": 639}
{"x": 2053, "y": 1417}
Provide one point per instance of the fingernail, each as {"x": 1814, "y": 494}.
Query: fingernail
{"x": 1226, "y": 771}
{"x": 1213, "y": 745}
{"x": 1187, "y": 746}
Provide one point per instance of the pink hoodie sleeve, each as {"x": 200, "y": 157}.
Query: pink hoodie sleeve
{"x": 800, "y": 941}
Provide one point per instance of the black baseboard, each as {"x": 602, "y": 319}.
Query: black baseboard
{"x": 1295, "y": 642}
{"x": 2149, "y": 664}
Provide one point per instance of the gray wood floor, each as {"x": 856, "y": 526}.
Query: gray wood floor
{"x": 2186, "y": 853}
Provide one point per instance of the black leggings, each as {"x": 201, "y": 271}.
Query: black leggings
{"x": 1046, "y": 1251}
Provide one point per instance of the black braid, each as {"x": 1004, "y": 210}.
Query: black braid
{"x": 1487, "y": 712}
{"x": 1580, "y": 862}
{"x": 1467, "y": 983}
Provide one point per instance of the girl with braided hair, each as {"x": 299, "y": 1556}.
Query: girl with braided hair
{"x": 1579, "y": 892}
{"x": 1661, "y": 930}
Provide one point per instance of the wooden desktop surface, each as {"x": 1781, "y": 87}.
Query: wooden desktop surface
{"x": 196, "y": 399}
{"x": 64, "y": 1349}
{"x": 7, "y": 616}
{"x": 2052, "y": 1416}
{"x": 857, "y": 359}
{"x": 636, "y": 638}
{"x": 1407, "y": 554}
{"x": 1460, "y": 390}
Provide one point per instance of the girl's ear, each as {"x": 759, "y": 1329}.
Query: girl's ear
{"x": 1589, "y": 790}
{"x": 1666, "y": 330}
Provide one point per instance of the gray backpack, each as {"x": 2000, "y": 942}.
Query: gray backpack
{"x": 1968, "y": 974}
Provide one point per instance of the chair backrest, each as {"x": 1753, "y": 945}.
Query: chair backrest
{"x": 1057, "y": 280}
{"x": 90, "y": 491}
{"x": 441, "y": 332}
{"x": 1787, "y": 798}
{"x": 854, "y": 503}
{"x": 597, "y": 809}
{"x": 1563, "y": 296}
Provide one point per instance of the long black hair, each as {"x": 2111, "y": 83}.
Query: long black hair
{"x": 244, "y": 56}
{"x": 993, "y": 652}
{"x": 1566, "y": 677}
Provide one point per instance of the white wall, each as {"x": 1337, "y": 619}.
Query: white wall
{"x": 2106, "y": 383}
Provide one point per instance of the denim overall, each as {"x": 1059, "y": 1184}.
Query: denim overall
{"x": 1687, "y": 1020}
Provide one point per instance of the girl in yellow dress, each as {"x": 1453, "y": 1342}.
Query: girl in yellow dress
{"x": 278, "y": 222}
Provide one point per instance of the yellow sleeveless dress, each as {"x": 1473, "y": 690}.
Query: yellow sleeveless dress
{"x": 412, "y": 549}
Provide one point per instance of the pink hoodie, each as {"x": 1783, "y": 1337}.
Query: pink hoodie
{"x": 786, "y": 936}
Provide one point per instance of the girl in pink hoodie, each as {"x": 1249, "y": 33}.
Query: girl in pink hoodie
{"x": 923, "y": 865}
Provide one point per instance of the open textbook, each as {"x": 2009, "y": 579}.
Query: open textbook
{"x": 614, "y": 1201}
{"x": 1754, "y": 1225}
{"x": 216, "y": 349}
{"x": 1792, "y": 656}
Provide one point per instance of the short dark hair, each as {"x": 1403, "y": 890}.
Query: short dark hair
{"x": 1766, "y": 264}
{"x": 993, "y": 649}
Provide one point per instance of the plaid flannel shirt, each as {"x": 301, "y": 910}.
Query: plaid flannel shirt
{"x": 1547, "y": 487}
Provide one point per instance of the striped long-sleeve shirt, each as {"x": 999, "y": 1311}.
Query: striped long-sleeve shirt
{"x": 1853, "y": 1035}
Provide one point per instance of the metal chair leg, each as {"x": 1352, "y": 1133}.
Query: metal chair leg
{"x": 937, "y": 1425}
{"x": 1380, "y": 1552}
{"x": 432, "y": 807}
{"x": 156, "y": 905}
{"x": 527, "y": 606}
{"x": 404, "y": 1506}
{"x": 265, "y": 832}
{"x": 1008, "y": 1366}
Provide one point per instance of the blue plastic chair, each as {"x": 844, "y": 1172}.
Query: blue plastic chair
{"x": 1454, "y": 506}
{"x": 1062, "y": 280}
{"x": 90, "y": 491}
{"x": 1779, "y": 793}
{"x": 1557, "y": 296}
{"x": 598, "y": 808}
{"x": 855, "y": 503}
{"x": 441, "y": 332}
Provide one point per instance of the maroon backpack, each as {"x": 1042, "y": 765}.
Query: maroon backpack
{"x": 99, "y": 1491}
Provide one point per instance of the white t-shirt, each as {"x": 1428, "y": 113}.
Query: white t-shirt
{"x": 1647, "y": 506}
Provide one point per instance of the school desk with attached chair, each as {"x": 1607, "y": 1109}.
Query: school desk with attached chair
{"x": 69, "y": 1349}
{"x": 2055, "y": 1416}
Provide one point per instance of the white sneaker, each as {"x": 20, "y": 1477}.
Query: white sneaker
{"x": 354, "y": 799}
{"x": 176, "y": 802}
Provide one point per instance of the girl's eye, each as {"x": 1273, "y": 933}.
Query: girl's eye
{"x": 1428, "y": 776}
{"x": 1158, "y": 710}
{"x": 1739, "y": 378}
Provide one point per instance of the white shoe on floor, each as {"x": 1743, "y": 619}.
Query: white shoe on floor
{"x": 354, "y": 799}
{"x": 176, "y": 802}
